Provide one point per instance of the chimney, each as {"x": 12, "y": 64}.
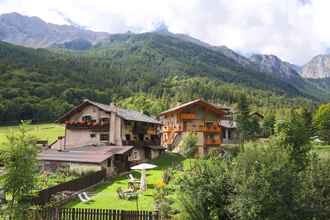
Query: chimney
{"x": 113, "y": 107}
{"x": 112, "y": 130}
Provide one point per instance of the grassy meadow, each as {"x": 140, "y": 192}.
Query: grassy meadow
{"x": 48, "y": 132}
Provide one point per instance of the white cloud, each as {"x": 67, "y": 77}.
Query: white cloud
{"x": 295, "y": 30}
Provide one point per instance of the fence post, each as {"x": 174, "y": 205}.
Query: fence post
{"x": 156, "y": 215}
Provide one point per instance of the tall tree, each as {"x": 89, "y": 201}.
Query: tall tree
{"x": 19, "y": 156}
{"x": 294, "y": 136}
{"x": 321, "y": 122}
{"x": 268, "y": 124}
{"x": 243, "y": 119}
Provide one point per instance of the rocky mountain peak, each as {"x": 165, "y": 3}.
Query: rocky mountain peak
{"x": 273, "y": 65}
{"x": 34, "y": 32}
{"x": 317, "y": 68}
{"x": 233, "y": 55}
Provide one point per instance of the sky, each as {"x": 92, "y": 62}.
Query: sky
{"x": 294, "y": 30}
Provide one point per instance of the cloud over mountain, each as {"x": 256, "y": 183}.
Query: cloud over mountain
{"x": 295, "y": 30}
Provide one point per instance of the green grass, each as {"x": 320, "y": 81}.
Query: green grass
{"x": 105, "y": 196}
{"x": 322, "y": 150}
{"x": 48, "y": 132}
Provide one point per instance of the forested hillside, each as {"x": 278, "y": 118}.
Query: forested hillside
{"x": 147, "y": 71}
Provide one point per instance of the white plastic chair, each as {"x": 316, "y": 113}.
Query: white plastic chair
{"x": 131, "y": 177}
{"x": 86, "y": 196}
{"x": 82, "y": 199}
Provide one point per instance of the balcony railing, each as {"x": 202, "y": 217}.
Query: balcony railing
{"x": 212, "y": 128}
{"x": 152, "y": 131}
{"x": 86, "y": 125}
{"x": 187, "y": 116}
{"x": 142, "y": 143}
{"x": 212, "y": 141}
{"x": 195, "y": 128}
{"x": 175, "y": 128}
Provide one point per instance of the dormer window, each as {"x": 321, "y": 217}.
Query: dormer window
{"x": 87, "y": 118}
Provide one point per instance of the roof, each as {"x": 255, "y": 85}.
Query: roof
{"x": 156, "y": 147}
{"x": 197, "y": 101}
{"x": 129, "y": 115}
{"x": 228, "y": 124}
{"x": 87, "y": 154}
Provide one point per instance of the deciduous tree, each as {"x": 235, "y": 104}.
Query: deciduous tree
{"x": 19, "y": 156}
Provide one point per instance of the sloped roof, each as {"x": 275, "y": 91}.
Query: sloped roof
{"x": 129, "y": 115}
{"x": 197, "y": 101}
{"x": 86, "y": 154}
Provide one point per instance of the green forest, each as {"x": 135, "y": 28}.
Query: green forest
{"x": 148, "y": 72}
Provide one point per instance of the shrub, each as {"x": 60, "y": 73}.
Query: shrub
{"x": 167, "y": 174}
{"x": 321, "y": 122}
{"x": 294, "y": 136}
{"x": 205, "y": 189}
{"x": 262, "y": 182}
{"x": 189, "y": 145}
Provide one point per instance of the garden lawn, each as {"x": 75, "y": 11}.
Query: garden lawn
{"x": 105, "y": 196}
{"x": 48, "y": 132}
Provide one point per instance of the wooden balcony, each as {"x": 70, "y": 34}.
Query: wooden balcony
{"x": 187, "y": 116}
{"x": 215, "y": 128}
{"x": 87, "y": 125}
{"x": 212, "y": 141}
{"x": 176, "y": 128}
{"x": 155, "y": 142}
{"x": 152, "y": 131}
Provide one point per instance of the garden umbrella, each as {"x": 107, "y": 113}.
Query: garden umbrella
{"x": 143, "y": 167}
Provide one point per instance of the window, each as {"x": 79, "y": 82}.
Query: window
{"x": 209, "y": 124}
{"x": 93, "y": 135}
{"x": 109, "y": 162}
{"x": 105, "y": 120}
{"x": 135, "y": 155}
{"x": 104, "y": 137}
{"x": 223, "y": 133}
{"x": 87, "y": 118}
{"x": 229, "y": 134}
{"x": 128, "y": 137}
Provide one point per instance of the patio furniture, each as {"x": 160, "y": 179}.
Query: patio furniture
{"x": 133, "y": 183}
{"x": 81, "y": 197}
{"x": 132, "y": 179}
{"x": 126, "y": 194}
{"x": 143, "y": 167}
{"x": 86, "y": 196}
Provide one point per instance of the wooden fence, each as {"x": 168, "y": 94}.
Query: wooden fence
{"x": 87, "y": 214}
{"x": 45, "y": 195}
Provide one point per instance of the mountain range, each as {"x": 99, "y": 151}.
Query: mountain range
{"x": 63, "y": 63}
{"x": 34, "y": 32}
